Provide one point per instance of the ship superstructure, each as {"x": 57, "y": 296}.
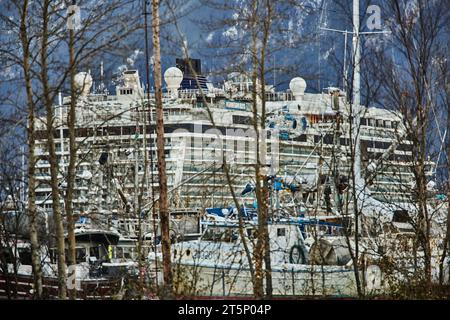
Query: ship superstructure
{"x": 307, "y": 141}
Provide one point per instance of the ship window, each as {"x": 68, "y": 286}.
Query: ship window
{"x": 381, "y": 145}
{"x": 241, "y": 119}
{"x": 281, "y": 232}
{"x": 25, "y": 256}
{"x": 94, "y": 252}
{"x": 252, "y": 234}
{"x": 328, "y": 139}
{"x": 300, "y": 138}
{"x": 53, "y": 255}
{"x": 400, "y": 216}
{"x": 6, "y": 255}
{"x": 80, "y": 254}
{"x": 230, "y": 235}
{"x": 227, "y": 235}
{"x": 127, "y": 254}
{"x": 344, "y": 141}
{"x": 405, "y": 147}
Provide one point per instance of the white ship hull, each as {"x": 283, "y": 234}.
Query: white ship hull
{"x": 287, "y": 280}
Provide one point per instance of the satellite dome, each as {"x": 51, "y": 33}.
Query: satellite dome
{"x": 86, "y": 174}
{"x": 372, "y": 167}
{"x": 83, "y": 82}
{"x": 173, "y": 77}
{"x": 298, "y": 87}
{"x": 431, "y": 185}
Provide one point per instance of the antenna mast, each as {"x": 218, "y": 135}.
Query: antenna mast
{"x": 356, "y": 85}
{"x": 356, "y": 91}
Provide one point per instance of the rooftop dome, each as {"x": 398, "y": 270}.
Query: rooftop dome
{"x": 83, "y": 82}
{"x": 298, "y": 87}
{"x": 173, "y": 77}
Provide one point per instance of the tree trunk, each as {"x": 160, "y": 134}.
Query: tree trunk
{"x": 447, "y": 237}
{"x": 447, "y": 233}
{"x": 424, "y": 220}
{"x": 32, "y": 215}
{"x": 264, "y": 226}
{"x": 163, "y": 208}
{"x": 71, "y": 168}
{"x": 53, "y": 160}
{"x": 258, "y": 251}
{"x": 354, "y": 254}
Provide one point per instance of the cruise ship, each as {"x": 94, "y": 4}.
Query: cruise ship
{"x": 306, "y": 138}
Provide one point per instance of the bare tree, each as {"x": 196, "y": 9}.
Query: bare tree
{"x": 256, "y": 34}
{"x": 53, "y": 160}
{"x": 25, "y": 40}
{"x": 407, "y": 78}
{"x": 443, "y": 69}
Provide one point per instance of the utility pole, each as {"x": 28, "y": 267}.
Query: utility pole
{"x": 148, "y": 109}
{"x": 163, "y": 207}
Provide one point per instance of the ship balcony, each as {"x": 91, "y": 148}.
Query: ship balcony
{"x": 279, "y": 96}
{"x": 47, "y": 201}
{"x": 101, "y": 97}
{"x": 42, "y": 164}
{"x": 42, "y": 176}
{"x": 43, "y": 189}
